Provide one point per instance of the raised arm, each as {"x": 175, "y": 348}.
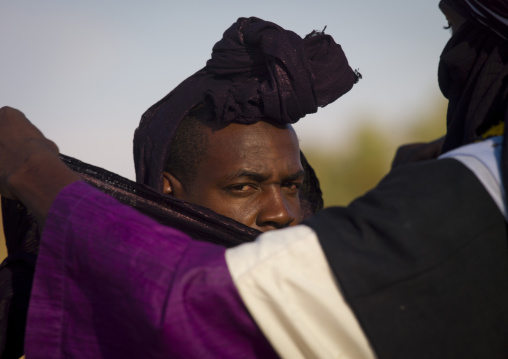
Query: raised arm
{"x": 30, "y": 169}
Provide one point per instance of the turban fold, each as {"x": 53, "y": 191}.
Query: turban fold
{"x": 257, "y": 71}
{"x": 473, "y": 71}
{"x": 491, "y": 13}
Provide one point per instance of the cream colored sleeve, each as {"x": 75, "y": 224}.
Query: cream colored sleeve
{"x": 3, "y": 248}
{"x": 484, "y": 160}
{"x": 285, "y": 282}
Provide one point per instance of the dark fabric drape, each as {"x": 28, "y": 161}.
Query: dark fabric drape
{"x": 425, "y": 273}
{"x": 473, "y": 74}
{"x": 492, "y": 14}
{"x": 257, "y": 71}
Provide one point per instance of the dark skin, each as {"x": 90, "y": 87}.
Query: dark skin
{"x": 252, "y": 173}
{"x": 30, "y": 169}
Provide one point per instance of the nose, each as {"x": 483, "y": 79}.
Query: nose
{"x": 276, "y": 211}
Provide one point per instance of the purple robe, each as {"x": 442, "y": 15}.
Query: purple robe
{"x": 177, "y": 296}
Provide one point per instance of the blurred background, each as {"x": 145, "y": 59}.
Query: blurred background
{"x": 85, "y": 71}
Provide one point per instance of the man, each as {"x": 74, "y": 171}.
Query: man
{"x": 223, "y": 139}
{"x": 418, "y": 267}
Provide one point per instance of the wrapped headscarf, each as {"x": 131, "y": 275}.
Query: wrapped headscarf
{"x": 257, "y": 71}
{"x": 473, "y": 75}
{"x": 473, "y": 71}
{"x": 492, "y": 14}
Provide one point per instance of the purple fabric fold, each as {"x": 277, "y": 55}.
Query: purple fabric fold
{"x": 110, "y": 282}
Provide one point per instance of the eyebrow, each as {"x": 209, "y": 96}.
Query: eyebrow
{"x": 258, "y": 177}
{"x": 295, "y": 176}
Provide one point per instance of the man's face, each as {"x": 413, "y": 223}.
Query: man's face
{"x": 252, "y": 173}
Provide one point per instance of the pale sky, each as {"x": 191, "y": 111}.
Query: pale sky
{"x": 85, "y": 71}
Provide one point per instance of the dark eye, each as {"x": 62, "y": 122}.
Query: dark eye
{"x": 241, "y": 187}
{"x": 239, "y": 190}
{"x": 447, "y": 27}
{"x": 292, "y": 187}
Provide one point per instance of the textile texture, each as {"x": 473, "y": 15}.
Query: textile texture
{"x": 492, "y": 14}
{"x": 472, "y": 76}
{"x": 286, "y": 283}
{"x": 425, "y": 277}
{"x": 111, "y": 283}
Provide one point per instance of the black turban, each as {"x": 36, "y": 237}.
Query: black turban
{"x": 473, "y": 71}
{"x": 257, "y": 71}
{"x": 473, "y": 75}
{"x": 490, "y": 13}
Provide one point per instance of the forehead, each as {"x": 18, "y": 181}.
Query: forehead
{"x": 260, "y": 147}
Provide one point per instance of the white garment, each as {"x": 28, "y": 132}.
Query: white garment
{"x": 285, "y": 282}
{"x": 484, "y": 160}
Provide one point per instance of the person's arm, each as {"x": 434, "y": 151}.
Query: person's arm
{"x": 111, "y": 282}
{"x": 30, "y": 169}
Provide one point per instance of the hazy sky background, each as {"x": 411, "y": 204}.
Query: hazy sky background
{"x": 85, "y": 71}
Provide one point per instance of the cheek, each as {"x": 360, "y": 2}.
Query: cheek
{"x": 242, "y": 210}
{"x": 245, "y": 214}
{"x": 295, "y": 208}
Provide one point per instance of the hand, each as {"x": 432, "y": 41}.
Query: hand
{"x": 30, "y": 167}
{"x": 19, "y": 141}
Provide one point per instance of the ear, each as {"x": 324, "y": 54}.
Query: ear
{"x": 171, "y": 185}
